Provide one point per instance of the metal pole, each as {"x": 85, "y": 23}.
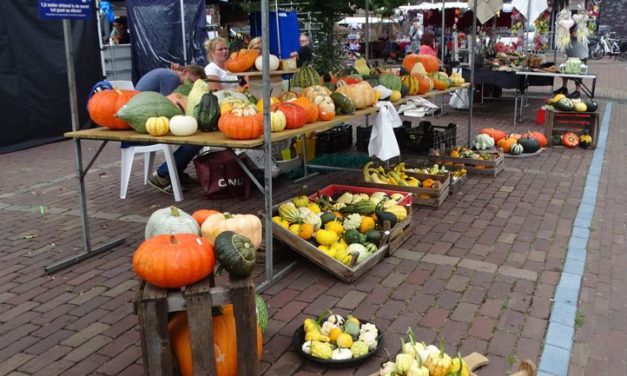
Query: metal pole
{"x": 367, "y": 43}
{"x": 100, "y": 45}
{"x": 442, "y": 33}
{"x": 278, "y": 28}
{"x": 183, "y": 31}
{"x": 267, "y": 136}
{"x": 473, "y": 47}
{"x": 527, "y": 21}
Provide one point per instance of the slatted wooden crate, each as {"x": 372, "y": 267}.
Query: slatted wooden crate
{"x": 491, "y": 167}
{"x": 560, "y": 122}
{"x": 153, "y": 306}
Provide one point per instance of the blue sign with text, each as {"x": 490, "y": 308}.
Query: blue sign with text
{"x": 64, "y": 9}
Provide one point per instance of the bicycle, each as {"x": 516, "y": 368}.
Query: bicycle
{"x": 609, "y": 45}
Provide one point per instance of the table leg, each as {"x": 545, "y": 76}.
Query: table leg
{"x": 306, "y": 175}
{"x": 88, "y": 250}
{"x": 250, "y": 174}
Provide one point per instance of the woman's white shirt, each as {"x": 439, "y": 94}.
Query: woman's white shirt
{"x": 212, "y": 69}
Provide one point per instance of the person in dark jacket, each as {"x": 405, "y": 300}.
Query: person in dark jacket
{"x": 303, "y": 55}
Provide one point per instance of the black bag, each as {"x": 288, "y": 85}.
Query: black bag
{"x": 220, "y": 176}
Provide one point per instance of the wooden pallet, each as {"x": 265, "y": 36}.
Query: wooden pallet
{"x": 491, "y": 167}
{"x": 421, "y": 196}
{"x": 153, "y": 304}
{"x": 560, "y": 122}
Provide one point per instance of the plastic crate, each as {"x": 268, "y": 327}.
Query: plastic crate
{"x": 334, "y": 140}
{"x": 363, "y": 138}
{"x": 425, "y": 137}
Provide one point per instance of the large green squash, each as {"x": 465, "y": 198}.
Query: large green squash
{"x": 390, "y": 81}
{"x": 564, "y": 104}
{"x": 307, "y": 76}
{"x": 343, "y": 103}
{"x": 236, "y": 253}
{"x": 145, "y": 105}
{"x": 207, "y": 113}
{"x": 262, "y": 313}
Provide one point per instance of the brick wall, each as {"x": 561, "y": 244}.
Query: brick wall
{"x": 614, "y": 13}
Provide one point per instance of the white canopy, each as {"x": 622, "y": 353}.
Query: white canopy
{"x": 362, "y": 20}
{"x": 435, "y": 5}
{"x": 536, "y": 7}
{"x": 486, "y": 9}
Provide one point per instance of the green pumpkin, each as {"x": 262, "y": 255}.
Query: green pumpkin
{"x": 343, "y": 103}
{"x": 327, "y": 217}
{"x": 145, "y": 105}
{"x": 235, "y": 253}
{"x": 374, "y": 236}
{"x": 262, "y": 313}
{"x": 207, "y": 113}
{"x": 390, "y": 81}
{"x": 307, "y": 76}
{"x": 591, "y": 105}
{"x": 352, "y": 236}
{"x": 530, "y": 145}
{"x": 383, "y": 216}
{"x": 556, "y": 139}
{"x": 184, "y": 88}
{"x": 516, "y": 149}
{"x": 330, "y": 85}
{"x": 370, "y": 247}
{"x": 564, "y": 104}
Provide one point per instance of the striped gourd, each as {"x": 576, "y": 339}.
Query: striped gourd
{"x": 390, "y": 81}
{"x": 343, "y": 103}
{"x": 307, "y": 76}
{"x": 412, "y": 84}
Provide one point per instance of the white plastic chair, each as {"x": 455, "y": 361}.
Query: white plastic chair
{"x": 128, "y": 155}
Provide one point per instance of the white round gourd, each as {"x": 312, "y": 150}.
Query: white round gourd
{"x": 274, "y": 63}
{"x": 171, "y": 220}
{"x": 183, "y": 125}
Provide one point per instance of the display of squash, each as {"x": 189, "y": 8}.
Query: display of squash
{"x": 361, "y": 94}
{"x": 103, "y": 106}
{"x": 274, "y": 63}
{"x": 507, "y": 143}
{"x": 224, "y": 342}
{"x": 496, "y": 134}
{"x": 171, "y": 220}
{"x": 242, "y": 60}
{"x": 241, "y": 127}
{"x": 307, "y": 76}
{"x": 145, "y": 105}
{"x": 245, "y": 224}
{"x": 158, "y": 126}
{"x": 183, "y": 125}
{"x": 430, "y": 63}
{"x": 173, "y": 261}
{"x": 310, "y": 108}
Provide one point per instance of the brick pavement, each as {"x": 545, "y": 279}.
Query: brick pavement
{"x": 479, "y": 272}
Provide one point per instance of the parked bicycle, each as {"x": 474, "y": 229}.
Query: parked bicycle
{"x": 609, "y": 45}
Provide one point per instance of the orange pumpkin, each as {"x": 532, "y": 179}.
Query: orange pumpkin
{"x": 430, "y": 63}
{"x": 242, "y": 60}
{"x": 542, "y": 140}
{"x": 201, "y": 214}
{"x": 104, "y": 104}
{"x": 295, "y": 116}
{"x": 172, "y": 261}
{"x": 507, "y": 143}
{"x": 224, "y": 342}
{"x": 310, "y": 108}
{"x": 496, "y": 134}
{"x": 241, "y": 127}
{"x": 424, "y": 82}
{"x": 326, "y": 116}
{"x": 439, "y": 84}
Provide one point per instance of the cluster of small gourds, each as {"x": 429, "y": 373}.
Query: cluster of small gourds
{"x": 418, "y": 359}
{"x": 348, "y": 229}
{"x": 397, "y": 175}
{"x": 338, "y": 338}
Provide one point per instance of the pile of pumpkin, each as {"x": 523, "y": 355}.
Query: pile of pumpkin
{"x": 562, "y": 103}
{"x": 513, "y": 143}
{"x": 397, "y": 175}
{"x": 418, "y": 359}
{"x": 338, "y": 338}
{"x": 348, "y": 229}
{"x": 181, "y": 249}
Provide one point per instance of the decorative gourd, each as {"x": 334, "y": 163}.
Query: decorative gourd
{"x": 438, "y": 363}
{"x": 238, "y": 127}
{"x": 425, "y": 82}
{"x": 199, "y": 89}
{"x": 224, "y": 342}
{"x": 418, "y": 68}
{"x": 289, "y": 213}
{"x": 315, "y": 90}
{"x": 273, "y": 101}
{"x": 326, "y": 237}
{"x": 383, "y": 216}
{"x": 570, "y": 140}
{"x": 277, "y": 121}
{"x": 201, "y": 214}
{"x": 183, "y": 125}
{"x": 430, "y": 63}
{"x": 483, "y": 141}
{"x": 103, "y": 106}
{"x": 564, "y": 104}
{"x": 440, "y": 84}
{"x": 310, "y": 108}
{"x": 412, "y": 83}
{"x": 157, "y": 126}
{"x": 496, "y": 134}
{"x": 295, "y": 116}
{"x": 145, "y": 105}
{"x": 556, "y": 139}
{"x": 506, "y": 144}
{"x": 242, "y": 60}
{"x": 179, "y": 100}
{"x": 261, "y": 308}
{"x": 245, "y": 224}
{"x": 307, "y": 76}
{"x": 591, "y": 105}
{"x": 288, "y": 96}
{"x": 542, "y": 140}
{"x": 585, "y": 141}
{"x": 399, "y": 211}
{"x": 172, "y": 261}
{"x": 580, "y": 107}
{"x": 361, "y": 94}
{"x": 274, "y": 63}
{"x": 530, "y": 145}
{"x": 367, "y": 224}
{"x": 170, "y": 221}
{"x": 516, "y": 149}
{"x": 391, "y": 81}
{"x": 236, "y": 253}
{"x": 207, "y": 113}
{"x": 343, "y": 103}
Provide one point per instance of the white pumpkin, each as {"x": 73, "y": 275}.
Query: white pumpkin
{"x": 183, "y": 125}
{"x": 169, "y": 221}
{"x": 274, "y": 63}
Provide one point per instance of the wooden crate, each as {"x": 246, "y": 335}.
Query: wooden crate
{"x": 491, "y": 167}
{"x": 153, "y": 305}
{"x": 435, "y": 197}
{"x": 560, "y": 122}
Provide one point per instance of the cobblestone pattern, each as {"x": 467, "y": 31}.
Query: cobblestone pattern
{"x": 479, "y": 272}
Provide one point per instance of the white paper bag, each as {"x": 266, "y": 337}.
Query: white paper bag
{"x": 383, "y": 142}
{"x": 459, "y": 99}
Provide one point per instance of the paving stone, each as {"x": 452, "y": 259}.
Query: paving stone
{"x": 518, "y": 273}
{"x": 351, "y": 300}
{"x": 435, "y": 317}
{"x": 465, "y": 312}
{"x": 440, "y": 259}
{"x": 457, "y": 283}
{"x": 482, "y": 328}
{"x": 85, "y": 334}
{"x": 478, "y": 265}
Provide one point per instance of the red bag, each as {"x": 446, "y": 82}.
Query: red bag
{"x": 220, "y": 176}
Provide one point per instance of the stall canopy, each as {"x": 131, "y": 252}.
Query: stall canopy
{"x": 435, "y": 5}
{"x": 362, "y": 20}
{"x": 161, "y": 34}
{"x": 33, "y": 75}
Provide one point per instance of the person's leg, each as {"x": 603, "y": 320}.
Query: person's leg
{"x": 182, "y": 157}
{"x": 564, "y": 88}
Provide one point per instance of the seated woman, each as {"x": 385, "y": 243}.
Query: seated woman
{"x": 217, "y": 75}
{"x": 427, "y": 44}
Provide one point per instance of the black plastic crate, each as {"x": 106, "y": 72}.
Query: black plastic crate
{"x": 334, "y": 140}
{"x": 363, "y": 138}
{"x": 426, "y": 136}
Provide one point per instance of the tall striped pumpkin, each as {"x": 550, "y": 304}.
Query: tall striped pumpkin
{"x": 412, "y": 84}
{"x": 307, "y": 76}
